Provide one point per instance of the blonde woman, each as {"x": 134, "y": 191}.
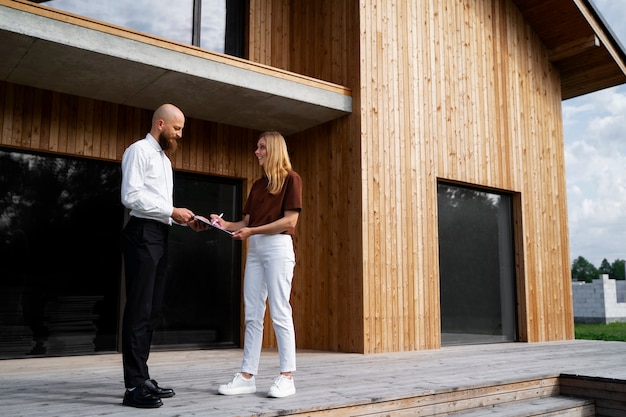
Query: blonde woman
{"x": 270, "y": 216}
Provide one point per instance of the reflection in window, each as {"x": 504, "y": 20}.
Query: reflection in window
{"x": 165, "y": 19}
{"x": 213, "y": 25}
{"x": 60, "y": 220}
{"x": 61, "y": 261}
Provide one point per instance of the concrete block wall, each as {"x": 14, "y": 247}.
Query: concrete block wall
{"x": 621, "y": 291}
{"x": 601, "y": 301}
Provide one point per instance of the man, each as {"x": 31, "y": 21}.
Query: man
{"x": 147, "y": 190}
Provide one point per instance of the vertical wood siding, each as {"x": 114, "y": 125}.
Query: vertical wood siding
{"x": 320, "y": 39}
{"x": 47, "y": 121}
{"x": 454, "y": 90}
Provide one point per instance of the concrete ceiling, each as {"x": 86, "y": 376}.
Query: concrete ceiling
{"x": 92, "y": 60}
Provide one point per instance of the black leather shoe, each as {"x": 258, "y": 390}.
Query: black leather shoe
{"x": 152, "y": 386}
{"x": 140, "y": 397}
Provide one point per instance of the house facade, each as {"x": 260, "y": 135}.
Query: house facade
{"x": 428, "y": 135}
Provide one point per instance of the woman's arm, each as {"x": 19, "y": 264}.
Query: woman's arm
{"x": 286, "y": 223}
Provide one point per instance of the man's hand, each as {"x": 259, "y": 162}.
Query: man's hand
{"x": 198, "y": 225}
{"x": 182, "y": 215}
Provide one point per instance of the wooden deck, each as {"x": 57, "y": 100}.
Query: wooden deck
{"x": 327, "y": 383}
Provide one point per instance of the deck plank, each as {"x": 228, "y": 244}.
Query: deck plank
{"x": 545, "y": 407}
{"x": 325, "y": 381}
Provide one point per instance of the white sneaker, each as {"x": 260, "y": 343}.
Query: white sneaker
{"x": 283, "y": 387}
{"x": 239, "y": 385}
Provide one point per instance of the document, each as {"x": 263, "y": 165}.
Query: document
{"x": 215, "y": 226}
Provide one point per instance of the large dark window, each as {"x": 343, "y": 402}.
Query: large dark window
{"x": 61, "y": 261}
{"x": 202, "y": 301}
{"x": 477, "y": 278}
{"x": 216, "y": 25}
{"x": 60, "y": 258}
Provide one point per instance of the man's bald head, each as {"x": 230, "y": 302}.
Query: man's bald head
{"x": 167, "y": 126}
{"x": 166, "y": 112}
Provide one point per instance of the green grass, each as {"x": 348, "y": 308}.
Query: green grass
{"x": 611, "y": 331}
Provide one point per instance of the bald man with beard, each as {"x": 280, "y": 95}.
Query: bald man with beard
{"x": 147, "y": 191}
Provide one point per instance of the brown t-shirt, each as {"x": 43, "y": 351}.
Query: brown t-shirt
{"x": 265, "y": 208}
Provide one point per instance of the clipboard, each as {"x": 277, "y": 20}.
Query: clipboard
{"x": 205, "y": 221}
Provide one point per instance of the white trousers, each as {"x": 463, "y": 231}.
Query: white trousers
{"x": 269, "y": 271}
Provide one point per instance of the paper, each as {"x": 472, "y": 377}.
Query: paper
{"x": 215, "y": 226}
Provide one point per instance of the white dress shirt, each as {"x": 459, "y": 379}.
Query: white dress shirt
{"x": 147, "y": 181}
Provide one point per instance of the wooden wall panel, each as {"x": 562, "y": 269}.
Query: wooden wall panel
{"x": 323, "y": 42}
{"x": 456, "y": 90}
{"x": 521, "y": 152}
{"x": 47, "y": 121}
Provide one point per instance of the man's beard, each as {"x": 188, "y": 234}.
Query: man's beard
{"x": 168, "y": 146}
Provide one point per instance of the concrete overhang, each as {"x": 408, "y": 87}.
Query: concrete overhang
{"x": 58, "y": 51}
{"x": 579, "y": 42}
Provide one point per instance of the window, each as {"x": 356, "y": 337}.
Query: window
{"x": 203, "y": 299}
{"x": 61, "y": 260}
{"x": 216, "y": 25}
{"x": 477, "y": 278}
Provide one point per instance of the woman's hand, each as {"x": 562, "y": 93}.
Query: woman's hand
{"x": 243, "y": 233}
{"x": 216, "y": 220}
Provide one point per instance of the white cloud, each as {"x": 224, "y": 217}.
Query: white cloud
{"x": 596, "y": 187}
{"x": 595, "y": 160}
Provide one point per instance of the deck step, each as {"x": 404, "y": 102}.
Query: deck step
{"x": 548, "y": 406}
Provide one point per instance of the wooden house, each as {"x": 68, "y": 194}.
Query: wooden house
{"x": 428, "y": 135}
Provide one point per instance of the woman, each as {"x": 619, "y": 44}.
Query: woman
{"x": 270, "y": 216}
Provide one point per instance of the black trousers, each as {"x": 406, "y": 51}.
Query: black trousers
{"x": 144, "y": 243}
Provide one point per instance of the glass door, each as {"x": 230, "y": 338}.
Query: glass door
{"x": 476, "y": 263}
{"x": 202, "y": 301}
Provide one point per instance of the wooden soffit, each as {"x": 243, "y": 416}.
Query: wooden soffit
{"x": 581, "y": 45}
{"x": 59, "y": 51}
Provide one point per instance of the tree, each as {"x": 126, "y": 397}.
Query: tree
{"x": 618, "y": 269}
{"x": 605, "y": 268}
{"x": 583, "y": 270}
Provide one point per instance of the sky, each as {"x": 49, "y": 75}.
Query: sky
{"x": 595, "y": 161}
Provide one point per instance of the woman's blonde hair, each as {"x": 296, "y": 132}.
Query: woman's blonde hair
{"x": 277, "y": 164}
